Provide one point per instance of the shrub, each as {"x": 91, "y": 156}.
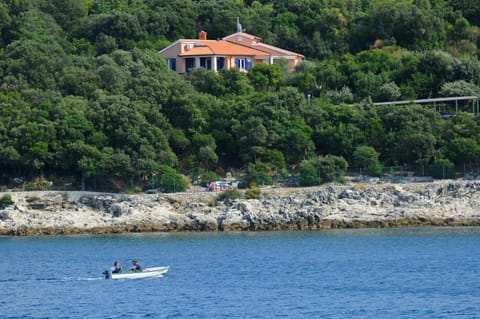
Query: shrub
{"x": 322, "y": 169}
{"x": 6, "y": 200}
{"x": 170, "y": 180}
{"x": 230, "y": 193}
{"x": 253, "y": 192}
{"x": 259, "y": 173}
{"x": 367, "y": 157}
{"x": 332, "y": 168}
{"x": 210, "y": 202}
{"x": 308, "y": 174}
{"x": 459, "y": 88}
{"x": 388, "y": 92}
{"x": 344, "y": 95}
{"x": 38, "y": 185}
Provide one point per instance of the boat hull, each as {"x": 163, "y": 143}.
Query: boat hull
{"x": 145, "y": 273}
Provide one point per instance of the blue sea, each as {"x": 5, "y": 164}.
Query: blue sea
{"x": 349, "y": 273}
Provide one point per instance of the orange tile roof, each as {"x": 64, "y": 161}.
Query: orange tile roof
{"x": 219, "y": 47}
{"x": 258, "y": 45}
{"x": 275, "y": 50}
{"x": 270, "y": 49}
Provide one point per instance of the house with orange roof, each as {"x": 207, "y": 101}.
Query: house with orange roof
{"x": 239, "y": 50}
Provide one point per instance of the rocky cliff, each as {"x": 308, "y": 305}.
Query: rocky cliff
{"x": 332, "y": 206}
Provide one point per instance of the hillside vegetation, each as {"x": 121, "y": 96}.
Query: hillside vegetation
{"x": 84, "y": 96}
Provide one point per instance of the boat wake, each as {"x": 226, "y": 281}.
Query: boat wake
{"x": 65, "y": 279}
{"x": 82, "y": 278}
{"x": 49, "y": 280}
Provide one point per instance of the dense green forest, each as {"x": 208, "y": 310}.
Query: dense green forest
{"x": 84, "y": 94}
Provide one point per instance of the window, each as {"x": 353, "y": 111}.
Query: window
{"x": 244, "y": 64}
{"x": 172, "y": 64}
{"x": 220, "y": 63}
{"x": 189, "y": 64}
{"x": 206, "y": 63}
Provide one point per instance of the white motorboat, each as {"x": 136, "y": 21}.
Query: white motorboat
{"x": 145, "y": 273}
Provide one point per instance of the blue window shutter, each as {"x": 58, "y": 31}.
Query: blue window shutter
{"x": 237, "y": 62}
{"x": 248, "y": 64}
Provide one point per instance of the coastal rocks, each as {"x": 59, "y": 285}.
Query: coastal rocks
{"x": 38, "y": 205}
{"x": 99, "y": 202}
{"x": 334, "y": 206}
{"x": 118, "y": 209}
{"x": 4, "y": 215}
{"x": 202, "y": 222}
{"x": 233, "y": 220}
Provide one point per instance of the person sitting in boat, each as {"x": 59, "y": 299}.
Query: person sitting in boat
{"x": 117, "y": 268}
{"x": 136, "y": 266}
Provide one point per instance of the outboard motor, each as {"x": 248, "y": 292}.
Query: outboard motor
{"x": 108, "y": 274}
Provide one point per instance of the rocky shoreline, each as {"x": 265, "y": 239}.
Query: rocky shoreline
{"x": 356, "y": 205}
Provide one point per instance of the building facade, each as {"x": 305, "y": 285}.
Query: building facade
{"x": 239, "y": 50}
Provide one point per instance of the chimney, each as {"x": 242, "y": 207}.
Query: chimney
{"x": 202, "y": 35}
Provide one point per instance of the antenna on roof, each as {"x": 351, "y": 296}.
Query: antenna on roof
{"x": 239, "y": 26}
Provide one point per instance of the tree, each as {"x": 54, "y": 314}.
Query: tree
{"x": 344, "y": 95}
{"x": 367, "y": 84}
{"x": 463, "y": 125}
{"x": 115, "y": 162}
{"x": 468, "y": 70}
{"x": 105, "y": 44}
{"x": 322, "y": 169}
{"x": 250, "y": 134}
{"x": 331, "y": 168}
{"x": 34, "y": 24}
{"x": 75, "y": 79}
{"x": 83, "y": 158}
{"x": 308, "y": 174}
{"x": 462, "y": 150}
{"x": 442, "y": 168}
{"x": 304, "y": 78}
{"x": 170, "y": 180}
{"x": 206, "y": 81}
{"x": 69, "y": 14}
{"x": 235, "y": 82}
{"x": 367, "y": 157}
{"x": 124, "y": 28}
{"x": 459, "y": 88}
{"x": 5, "y": 19}
{"x": 35, "y": 138}
{"x": 415, "y": 148}
{"x": 181, "y": 17}
{"x": 259, "y": 173}
{"x": 217, "y": 18}
{"x": 388, "y": 92}
{"x": 469, "y": 8}
{"x": 112, "y": 77}
{"x": 416, "y": 29}
{"x": 203, "y": 148}
{"x": 437, "y": 67}
{"x": 38, "y": 61}
{"x": 296, "y": 142}
{"x": 265, "y": 77}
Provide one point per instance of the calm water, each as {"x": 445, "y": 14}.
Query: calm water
{"x": 392, "y": 273}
